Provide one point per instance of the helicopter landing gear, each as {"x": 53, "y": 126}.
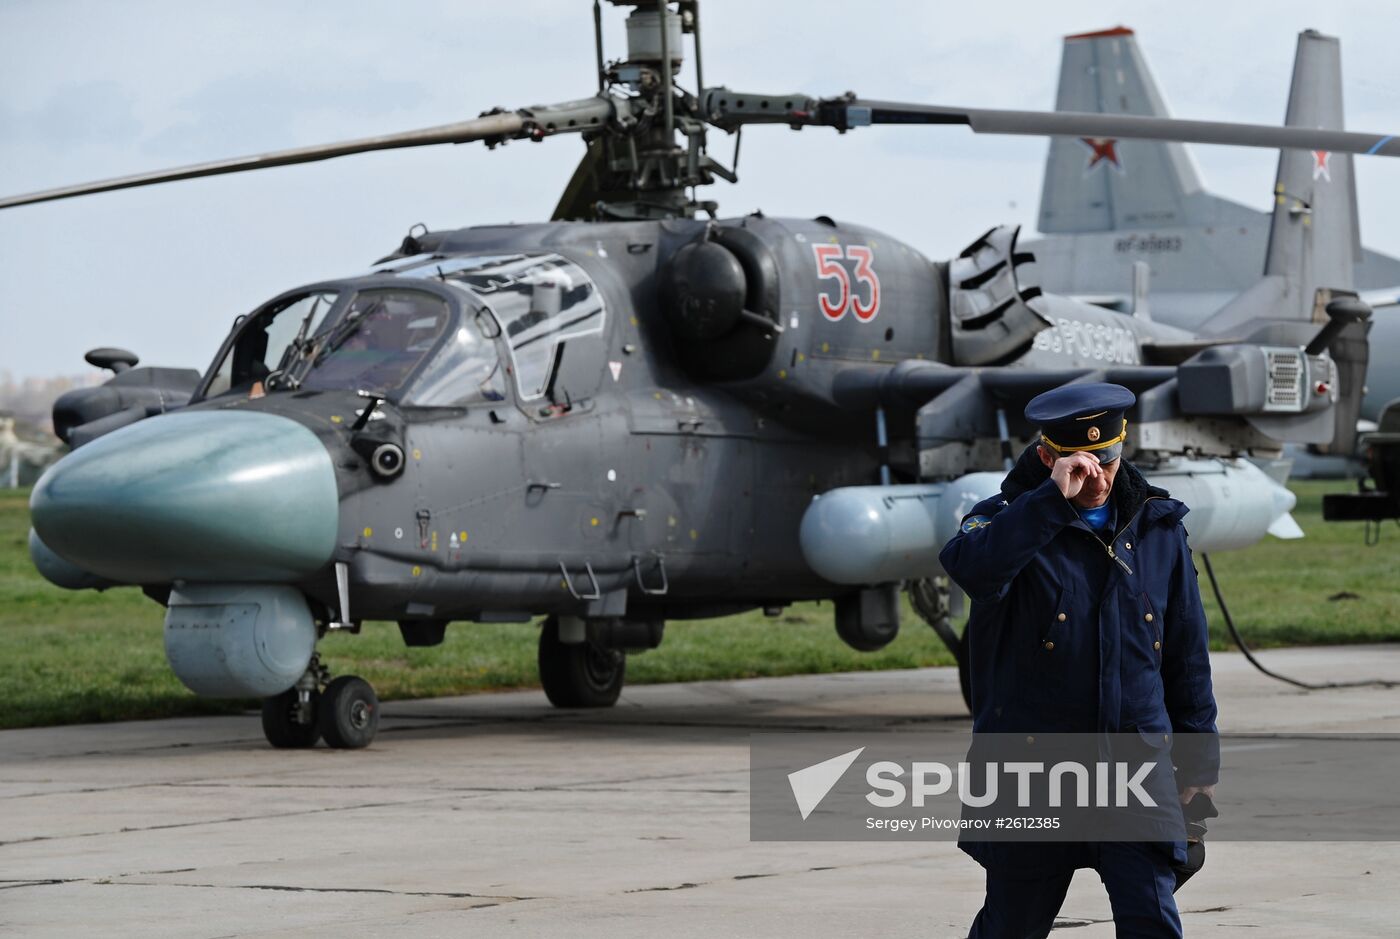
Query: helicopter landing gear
{"x": 346, "y": 713}
{"x": 349, "y": 716}
{"x": 583, "y": 674}
{"x": 282, "y": 723}
{"x": 289, "y": 719}
{"x": 931, "y": 598}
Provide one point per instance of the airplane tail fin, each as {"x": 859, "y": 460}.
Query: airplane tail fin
{"x": 1314, "y": 243}
{"x": 1314, "y": 239}
{"x": 1314, "y": 234}
{"x": 1094, "y": 184}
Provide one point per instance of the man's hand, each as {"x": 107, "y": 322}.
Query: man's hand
{"x": 1071, "y": 472}
{"x": 1191, "y": 792}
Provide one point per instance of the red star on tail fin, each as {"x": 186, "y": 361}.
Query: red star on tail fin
{"x": 1320, "y": 168}
{"x": 1102, "y": 149}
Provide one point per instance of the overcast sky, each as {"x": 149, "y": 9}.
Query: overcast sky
{"x": 96, "y": 89}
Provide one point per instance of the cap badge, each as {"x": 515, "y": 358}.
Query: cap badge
{"x": 1093, "y": 434}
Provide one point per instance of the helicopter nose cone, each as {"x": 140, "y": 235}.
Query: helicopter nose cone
{"x": 204, "y": 496}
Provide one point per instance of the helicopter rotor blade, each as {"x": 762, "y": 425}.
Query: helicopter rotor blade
{"x": 729, "y": 110}
{"x": 504, "y": 125}
{"x": 491, "y": 127}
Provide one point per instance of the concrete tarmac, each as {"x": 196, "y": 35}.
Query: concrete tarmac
{"x": 494, "y": 814}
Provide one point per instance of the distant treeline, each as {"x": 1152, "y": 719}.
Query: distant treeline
{"x": 30, "y": 400}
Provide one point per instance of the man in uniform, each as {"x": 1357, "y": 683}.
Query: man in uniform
{"x": 1086, "y": 618}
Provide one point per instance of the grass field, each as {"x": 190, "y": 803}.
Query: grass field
{"x": 68, "y": 657}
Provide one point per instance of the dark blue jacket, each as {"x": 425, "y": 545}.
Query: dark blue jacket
{"x": 1073, "y": 632}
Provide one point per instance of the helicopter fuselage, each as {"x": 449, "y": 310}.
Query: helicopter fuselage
{"x": 613, "y": 465}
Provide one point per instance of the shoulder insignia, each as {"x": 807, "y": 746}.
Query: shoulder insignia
{"x": 974, "y": 522}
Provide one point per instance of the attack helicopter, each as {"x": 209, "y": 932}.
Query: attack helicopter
{"x": 640, "y": 411}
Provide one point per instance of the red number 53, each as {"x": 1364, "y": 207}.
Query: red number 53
{"x": 829, "y": 265}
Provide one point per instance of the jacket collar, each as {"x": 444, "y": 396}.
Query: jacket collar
{"x": 1131, "y": 490}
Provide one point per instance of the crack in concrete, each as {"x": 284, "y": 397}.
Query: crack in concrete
{"x": 445, "y": 792}
{"x": 666, "y": 888}
{"x": 287, "y": 888}
{"x": 221, "y": 821}
{"x": 686, "y": 886}
{"x": 41, "y": 882}
{"x": 71, "y": 792}
{"x": 751, "y": 727}
{"x": 601, "y": 786}
{"x": 259, "y": 784}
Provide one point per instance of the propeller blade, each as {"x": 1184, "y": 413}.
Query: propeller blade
{"x": 729, "y": 110}
{"x": 498, "y": 126}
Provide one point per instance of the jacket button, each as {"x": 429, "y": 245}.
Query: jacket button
{"x": 1061, "y": 617}
{"x": 1049, "y": 646}
{"x": 1030, "y": 740}
{"x": 1148, "y": 617}
{"x": 1157, "y": 645}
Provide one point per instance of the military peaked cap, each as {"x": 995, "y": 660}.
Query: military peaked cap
{"x": 1083, "y": 417}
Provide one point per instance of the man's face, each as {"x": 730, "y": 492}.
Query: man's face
{"x": 1095, "y": 490}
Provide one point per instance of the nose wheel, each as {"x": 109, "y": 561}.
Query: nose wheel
{"x": 349, "y": 714}
{"x": 284, "y": 726}
{"x": 343, "y": 712}
{"x": 579, "y": 674}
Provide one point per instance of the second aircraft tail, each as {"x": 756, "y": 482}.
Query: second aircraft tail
{"x": 1094, "y": 184}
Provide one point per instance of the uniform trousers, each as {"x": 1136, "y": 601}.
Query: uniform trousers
{"x": 1138, "y": 877}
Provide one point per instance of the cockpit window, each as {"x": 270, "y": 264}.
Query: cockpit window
{"x": 267, "y": 344}
{"x": 466, "y": 369}
{"x": 539, "y": 300}
{"x": 378, "y": 342}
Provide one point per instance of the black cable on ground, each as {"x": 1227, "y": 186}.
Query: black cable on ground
{"x": 1248, "y": 654}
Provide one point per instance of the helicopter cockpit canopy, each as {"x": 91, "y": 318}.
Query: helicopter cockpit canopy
{"x": 264, "y": 340}
{"x": 539, "y": 301}
{"x": 419, "y": 342}
{"x": 377, "y": 342}
{"x": 377, "y": 338}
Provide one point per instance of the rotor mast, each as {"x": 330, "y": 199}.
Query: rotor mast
{"x": 646, "y": 161}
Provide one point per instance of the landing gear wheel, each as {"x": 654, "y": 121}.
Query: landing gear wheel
{"x": 579, "y": 675}
{"x": 348, "y": 715}
{"x": 280, "y": 724}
